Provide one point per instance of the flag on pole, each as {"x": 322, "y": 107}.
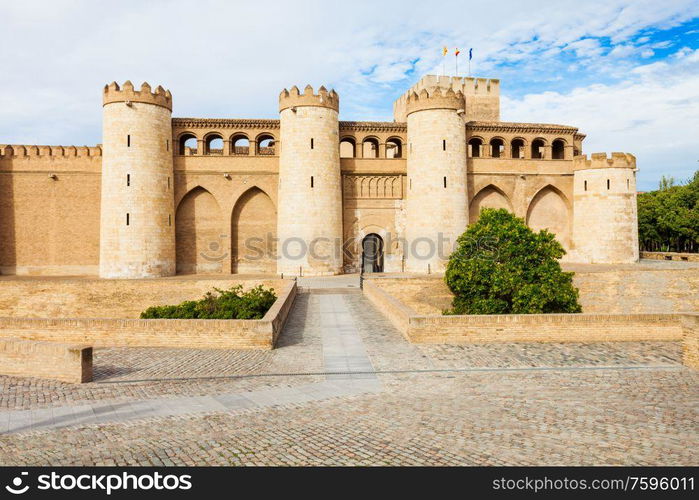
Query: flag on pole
{"x": 457, "y": 52}
{"x": 456, "y": 59}
{"x": 445, "y": 51}
{"x": 470, "y": 54}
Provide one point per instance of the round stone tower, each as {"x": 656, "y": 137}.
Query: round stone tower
{"x": 137, "y": 226}
{"x": 605, "y": 219}
{"x": 437, "y": 205}
{"x": 309, "y": 220}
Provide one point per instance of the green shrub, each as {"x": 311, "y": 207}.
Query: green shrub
{"x": 223, "y": 304}
{"x": 501, "y": 266}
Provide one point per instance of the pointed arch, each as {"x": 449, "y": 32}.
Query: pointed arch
{"x": 490, "y": 196}
{"x": 200, "y": 247}
{"x": 550, "y": 209}
{"x": 253, "y": 233}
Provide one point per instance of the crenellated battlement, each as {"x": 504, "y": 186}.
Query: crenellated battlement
{"x": 37, "y": 151}
{"x": 481, "y": 95}
{"x": 601, "y": 160}
{"x": 434, "y": 98}
{"x": 114, "y": 93}
{"x": 324, "y": 98}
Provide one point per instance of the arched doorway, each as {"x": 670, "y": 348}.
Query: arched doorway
{"x": 254, "y": 233}
{"x": 488, "y": 197}
{"x": 548, "y": 210}
{"x": 198, "y": 227}
{"x": 372, "y": 253}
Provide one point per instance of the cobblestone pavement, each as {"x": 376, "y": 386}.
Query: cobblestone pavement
{"x": 625, "y": 403}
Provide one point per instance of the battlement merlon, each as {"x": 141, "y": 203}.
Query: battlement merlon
{"x": 435, "y": 98}
{"x": 37, "y": 151}
{"x": 601, "y": 160}
{"x": 113, "y": 93}
{"x": 293, "y": 98}
{"x": 475, "y": 90}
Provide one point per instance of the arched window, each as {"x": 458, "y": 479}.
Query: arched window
{"x": 474, "y": 146}
{"x": 188, "y": 144}
{"x": 240, "y": 145}
{"x": 497, "y": 147}
{"x": 558, "y": 149}
{"x": 517, "y": 147}
{"x": 213, "y": 145}
{"x": 347, "y": 148}
{"x": 370, "y": 148}
{"x": 537, "y": 149}
{"x": 265, "y": 145}
{"x": 394, "y": 148}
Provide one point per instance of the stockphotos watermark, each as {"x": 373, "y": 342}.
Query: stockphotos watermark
{"x": 324, "y": 249}
{"x": 106, "y": 483}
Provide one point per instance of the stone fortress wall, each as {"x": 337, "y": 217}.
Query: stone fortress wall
{"x": 203, "y": 189}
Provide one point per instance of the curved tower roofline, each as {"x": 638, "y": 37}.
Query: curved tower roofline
{"x": 434, "y": 98}
{"x": 126, "y": 93}
{"x": 324, "y": 98}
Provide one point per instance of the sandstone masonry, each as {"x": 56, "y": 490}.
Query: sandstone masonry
{"x": 306, "y": 194}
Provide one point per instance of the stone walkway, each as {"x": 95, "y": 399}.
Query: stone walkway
{"x": 344, "y": 388}
{"x": 347, "y": 369}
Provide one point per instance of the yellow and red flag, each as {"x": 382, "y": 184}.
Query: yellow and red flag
{"x": 457, "y": 52}
{"x": 445, "y": 51}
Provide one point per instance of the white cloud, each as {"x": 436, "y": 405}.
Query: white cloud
{"x": 222, "y": 58}
{"x": 653, "y": 115}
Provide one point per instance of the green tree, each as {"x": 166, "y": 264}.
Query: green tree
{"x": 668, "y": 219}
{"x": 501, "y": 266}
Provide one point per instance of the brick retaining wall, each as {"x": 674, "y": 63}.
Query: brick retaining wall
{"x": 177, "y": 333}
{"x": 524, "y": 327}
{"x": 691, "y": 257}
{"x": 64, "y": 362}
{"x": 690, "y": 347}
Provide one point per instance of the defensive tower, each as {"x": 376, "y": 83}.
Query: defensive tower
{"x": 137, "y": 227}
{"x": 605, "y": 219}
{"x": 309, "y": 220}
{"x": 437, "y": 205}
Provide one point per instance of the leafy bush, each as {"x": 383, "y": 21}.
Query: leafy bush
{"x": 223, "y": 304}
{"x": 501, "y": 266}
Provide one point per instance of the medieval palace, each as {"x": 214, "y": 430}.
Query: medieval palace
{"x": 307, "y": 193}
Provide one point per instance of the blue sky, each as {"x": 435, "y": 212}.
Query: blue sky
{"x": 625, "y": 72}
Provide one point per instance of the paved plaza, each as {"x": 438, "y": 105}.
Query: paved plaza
{"x": 344, "y": 388}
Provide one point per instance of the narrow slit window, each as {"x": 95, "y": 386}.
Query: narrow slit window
{"x": 445, "y": 182}
{"x": 627, "y": 185}
{"x": 168, "y": 182}
{"x": 607, "y": 183}
{"x": 128, "y": 179}
{"x": 444, "y": 145}
{"x": 167, "y": 144}
{"x": 128, "y": 221}
{"x": 311, "y": 142}
{"x": 128, "y": 141}
{"x": 311, "y": 181}
{"x": 169, "y": 219}
{"x": 411, "y": 184}
{"x": 585, "y": 185}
